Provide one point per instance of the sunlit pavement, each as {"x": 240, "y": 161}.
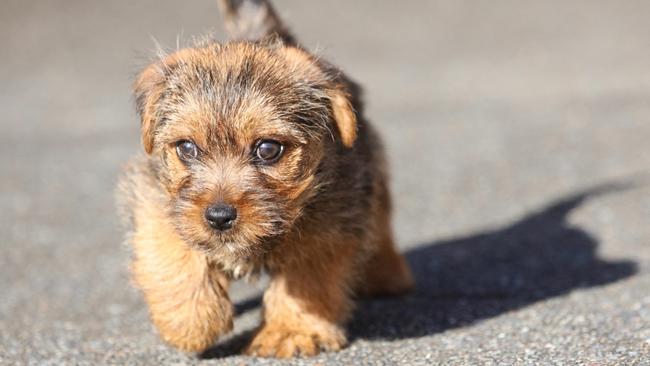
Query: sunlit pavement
{"x": 518, "y": 138}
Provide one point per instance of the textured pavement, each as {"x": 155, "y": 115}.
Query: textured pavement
{"x": 518, "y": 136}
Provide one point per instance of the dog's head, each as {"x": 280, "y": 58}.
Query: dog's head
{"x": 239, "y": 135}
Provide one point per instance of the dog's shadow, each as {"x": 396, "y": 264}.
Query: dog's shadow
{"x": 463, "y": 280}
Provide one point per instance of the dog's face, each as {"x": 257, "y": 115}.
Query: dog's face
{"x": 239, "y": 134}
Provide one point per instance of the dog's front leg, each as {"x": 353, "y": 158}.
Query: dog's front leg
{"x": 305, "y": 307}
{"x": 187, "y": 296}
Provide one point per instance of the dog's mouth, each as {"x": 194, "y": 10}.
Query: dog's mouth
{"x": 242, "y": 242}
{"x": 240, "y": 239}
{"x": 221, "y": 246}
{"x": 236, "y": 259}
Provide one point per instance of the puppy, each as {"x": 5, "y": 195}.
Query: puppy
{"x": 258, "y": 157}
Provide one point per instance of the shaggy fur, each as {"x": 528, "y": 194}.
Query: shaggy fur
{"x": 317, "y": 220}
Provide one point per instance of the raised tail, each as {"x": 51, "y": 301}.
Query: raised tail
{"x": 253, "y": 20}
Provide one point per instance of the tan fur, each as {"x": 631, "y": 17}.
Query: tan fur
{"x": 317, "y": 220}
{"x": 344, "y": 116}
{"x": 187, "y": 295}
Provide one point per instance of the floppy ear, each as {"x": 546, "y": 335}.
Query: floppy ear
{"x": 148, "y": 88}
{"x": 344, "y": 116}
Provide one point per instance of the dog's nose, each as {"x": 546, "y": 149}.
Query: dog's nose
{"x": 221, "y": 216}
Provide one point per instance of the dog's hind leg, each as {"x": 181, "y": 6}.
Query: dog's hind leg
{"x": 386, "y": 273}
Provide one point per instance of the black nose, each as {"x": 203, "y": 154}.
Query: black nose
{"x": 221, "y": 216}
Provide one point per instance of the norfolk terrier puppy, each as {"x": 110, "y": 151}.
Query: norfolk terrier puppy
{"x": 258, "y": 158}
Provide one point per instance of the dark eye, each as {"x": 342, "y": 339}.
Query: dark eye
{"x": 186, "y": 150}
{"x": 268, "y": 151}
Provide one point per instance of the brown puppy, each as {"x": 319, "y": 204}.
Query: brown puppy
{"x": 258, "y": 158}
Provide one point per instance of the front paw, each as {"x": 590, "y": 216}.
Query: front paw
{"x": 285, "y": 342}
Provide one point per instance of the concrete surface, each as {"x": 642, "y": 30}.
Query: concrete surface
{"x": 518, "y": 134}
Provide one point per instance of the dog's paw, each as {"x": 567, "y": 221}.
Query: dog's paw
{"x": 284, "y": 342}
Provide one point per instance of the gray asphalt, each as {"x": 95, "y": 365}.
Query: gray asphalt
{"x": 518, "y": 136}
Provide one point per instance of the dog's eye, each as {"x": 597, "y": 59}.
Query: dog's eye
{"x": 186, "y": 150}
{"x": 268, "y": 151}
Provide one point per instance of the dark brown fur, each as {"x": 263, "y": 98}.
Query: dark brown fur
{"x": 318, "y": 220}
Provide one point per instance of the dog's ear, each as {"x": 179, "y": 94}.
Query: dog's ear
{"x": 336, "y": 91}
{"x": 344, "y": 116}
{"x": 148, "y": 88}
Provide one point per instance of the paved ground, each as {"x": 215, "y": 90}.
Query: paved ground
{"x": 518, "y": 133}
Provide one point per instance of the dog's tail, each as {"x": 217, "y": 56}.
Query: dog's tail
{"x": 253, "y": 20}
